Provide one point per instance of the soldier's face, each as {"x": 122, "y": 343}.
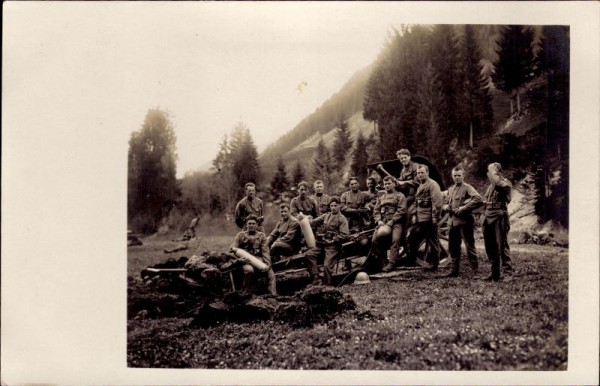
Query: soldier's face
{"x": 319, "y": 188}
{"x": 354, "y": 185}
{"x": 458, "y": 177}
{"x": 388, "y": 186}
{"x": 250, "y": 191}
{"x": 302, "y": 191}
{"x": 492, "y": 173}
{"x": 404, "y": 159}
{"x": 285, "y": 213}
{"x": 370, "y": 184}
{"x": 421, "y": 175}
{"x": 251, "y": 225}
{"x": 335, "y": 208}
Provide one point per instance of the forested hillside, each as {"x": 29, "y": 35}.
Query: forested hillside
{"x": 468, "y": 94}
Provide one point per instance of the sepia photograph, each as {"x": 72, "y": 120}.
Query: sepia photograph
{"x": 336, "y": 191}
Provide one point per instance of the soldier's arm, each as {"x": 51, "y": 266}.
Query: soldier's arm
{"x": 293, "y": 229}
{"x": 474, "y": 201}
{"x": 400, "y": 209}
{"x": 377, "y": 210}
{"x": 343, "y": 229}
{"x": 504, "y": 187}
{"x": 436, "y": 198}
{"x": 273, "y": 236}
{"x": 344, "y": 205}
{"x": 240, "y": 215}
{"x": 315, "y": 222}
{"x": 315, "y": 208}
{"x": 236, "y": 241}
{"x": 294, "y": 207}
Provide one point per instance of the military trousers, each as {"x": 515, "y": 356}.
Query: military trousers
{"x": 248, "y": 272}
{"x": 427, "y": 231}
{"x": 280, "y": 249}
{"x": 496, "y": 243}
{"x": 458, "y": 234}
{"x": 381, "y": 243}
{"x": 332, "y": 254}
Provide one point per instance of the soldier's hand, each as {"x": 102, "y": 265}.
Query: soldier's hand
{"x": 380, "y": 223}
{"x": 458, "y": 210}
{"x": 445, "y": 207}
{"x": 300, "y": 216}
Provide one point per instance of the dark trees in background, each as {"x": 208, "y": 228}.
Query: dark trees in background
{"x": 152, "y": 164}
{"x": 322, "y": 165}
{"x": 280, "y": 182}
{"x": 358, "y": 167}
{"x": 342, "y": 142}
{"x": 298, "y": 175}
{"x": 515, "y": 64}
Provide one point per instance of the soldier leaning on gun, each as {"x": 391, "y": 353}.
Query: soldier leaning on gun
{"x": 389, "y": 211}
{"x": 255, "y": 243}
{"x": 335, "y": 230}
{"x": 495, "y": 220}
{"x": 285, "y": 238}
{"x": 428, "y": 202}
{"x": 249, "y": 205}
{"x": 354, "y": 206}
{"x": 460, "y": 202}
{"x": 303, "y": 203}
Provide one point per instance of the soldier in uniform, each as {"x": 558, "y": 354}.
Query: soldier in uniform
{"x": 321, "y": 198}
{"x": 495, "y": 220}
{"x": 460, "y": 202}
{"x": 286, "y": 236}
{"x": 389, "y": 210}
{"x": 428, "y": 203}
{"x": 255, "y": 243}
{"x": 303, "y": 203}
{"x": 249, "y": 205}
{"x": 354, "y": 206}
{"x": 372, "y": 194}
{"x": 407, "y": 182}
{"x": 334, "y": 228}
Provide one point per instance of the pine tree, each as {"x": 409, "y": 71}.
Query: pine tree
{"x": 358, "y": 168}
{"x": 152, "y": 164}
{"x": 430, "y": 104}
{"x": 515, "y": 64}
{"x": 341, "y": 143}
{"x": 298, "y": 174}
{"x": 245, "y": 166}
{"x": 280, "y": 182}
{"x": 322, "y": 164}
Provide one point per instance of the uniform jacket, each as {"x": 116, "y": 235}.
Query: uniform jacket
{"x": 464, "y": 196}
{"x": 497, "y": 196}
{"x": 428, "y": 200}
{"x": 244, "y": 208}
{"x": 308, "y": 206}
{"x": 409, "y": 173}
{"x": 255, "y": 244}
{"x": 351, "y": 201}
{"x": 335, "y": 224}
{"x": 390, "y": 208}
{"x": 322, "y": 202}
{"x": 286, "y": 232}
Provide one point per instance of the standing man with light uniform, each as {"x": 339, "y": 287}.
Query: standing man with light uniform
{"x": 460, "y": 202}
{"x": 495, "y": 220}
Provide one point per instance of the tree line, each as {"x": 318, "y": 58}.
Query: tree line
{"x": 429, "y": 90}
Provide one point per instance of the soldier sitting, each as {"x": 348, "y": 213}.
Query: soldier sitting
{"x": 286, "y": 236}
{"x": 335, "y": 229}
{"x": 255, "y": 243}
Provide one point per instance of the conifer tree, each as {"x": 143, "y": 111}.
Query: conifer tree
{"x": 298, "y": 174}
{"x": 342, "y": 142}
{"x": 358, "y": 168}
{"x": 280, "y": 182}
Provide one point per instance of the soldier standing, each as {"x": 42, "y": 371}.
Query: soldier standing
{"x": 389, "y": 211}
{"x": 354, "y": 206}
{"x": 321, "y": 198}
{"x": 335, "y": 230}
{"x": 249, "y": 205}
{"x": 407, "y": 182}
{"x": 255, "y": 243}
{"x": 286, "y": 236}
{"x": 495, "y": 220}
{"x": 460, "y": 202}
{"x": 372, "y": 194}
{"x": 303, "y": 203}
{"x": 428, "y": 203}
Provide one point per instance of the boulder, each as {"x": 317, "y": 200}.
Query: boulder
{"x": 258, "y": 308}
{"x": 296, "y": 313}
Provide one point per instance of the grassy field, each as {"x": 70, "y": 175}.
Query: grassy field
{"x": 416, "y": 321}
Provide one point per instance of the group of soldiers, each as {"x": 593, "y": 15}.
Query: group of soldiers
{"x": 404, "y": 214}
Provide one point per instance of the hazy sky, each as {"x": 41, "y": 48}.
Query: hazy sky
{"x": 87, "y": 68}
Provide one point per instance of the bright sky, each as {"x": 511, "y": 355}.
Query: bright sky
{"x": 93, "y": 67}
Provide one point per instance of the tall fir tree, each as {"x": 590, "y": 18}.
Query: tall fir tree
{"x": 342, "y": 142}
{"x": 358, "y": 167}
{"x": 322, "y": 164}
{"x": 428, "y": 120}
{"x": 298, "y": 173}
{"x": 515, "y": 64}
{"x": 152, "y": 164}
{"x": 280, "y": 182}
